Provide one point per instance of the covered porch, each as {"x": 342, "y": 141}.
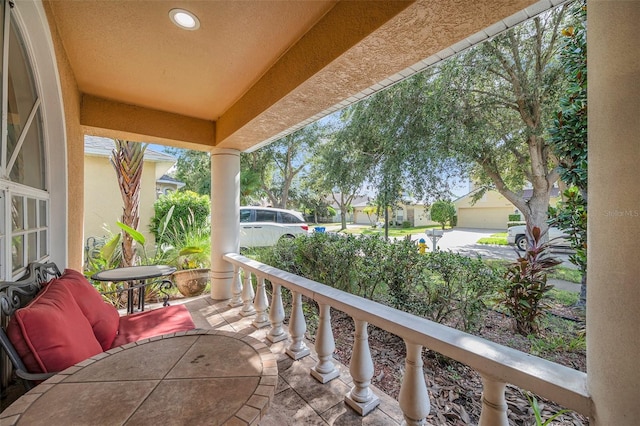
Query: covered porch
{"x": 103, "y": 71}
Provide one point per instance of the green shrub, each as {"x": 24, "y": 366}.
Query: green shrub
{"x": 441, "y": 286}
{"x": 515, "y": 218}
{"x": 406, "y": 224}
{"x": 188, "y": 206}
{"x": 510, "y": 224}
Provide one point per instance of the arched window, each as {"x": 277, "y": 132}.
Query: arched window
{"x": 24, "y": 195}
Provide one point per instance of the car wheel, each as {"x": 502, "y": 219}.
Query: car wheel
{"x": 521, "y": 242}
{"x": 287, "y": 237}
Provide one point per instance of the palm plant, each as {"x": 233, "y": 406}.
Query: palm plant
{"x": 128, "y": 160}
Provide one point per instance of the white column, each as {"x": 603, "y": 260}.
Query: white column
{"x": 613, "y": 316}
{"x": 361, "y": 398}
{"x": 494, "y": 405}
{"x": 325, "y": 370}
{"x": 414, "y": 397}
{"x": 247, "y": 295}
{"x": 297, "y": 326}
{"x": 225, "y": 218}
{"x": 261, "y": 304}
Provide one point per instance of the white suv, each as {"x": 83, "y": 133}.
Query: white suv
{"x": 264, "y": 226}
{"x": 516, "y": 235}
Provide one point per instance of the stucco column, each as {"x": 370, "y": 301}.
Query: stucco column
{"x": 613, "y": 315}
{"x": 225, "y": 218}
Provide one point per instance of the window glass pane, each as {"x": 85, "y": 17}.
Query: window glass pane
{"x": 32, "y": 246}
{"x": 43, "y": 244}
{"x": 28, "y": 168}
{"x": 265, "y": 216}
{"x": 289, "y": 218}
{"x": 31, "y": 214}
{"x": 44, "y": 217}
{"x": 17, "y": 213}
{"x": 245, "y": 215}
{"x": 22, "y": 93}
{"x": 17, "y": 254}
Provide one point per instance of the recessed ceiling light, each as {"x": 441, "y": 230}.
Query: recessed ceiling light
{"x": 184, "y": 19}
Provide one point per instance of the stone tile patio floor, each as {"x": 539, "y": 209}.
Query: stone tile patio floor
{"x": 299, "y": 398}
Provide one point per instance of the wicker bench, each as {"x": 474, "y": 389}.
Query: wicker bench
{"x": 53, "y": 320}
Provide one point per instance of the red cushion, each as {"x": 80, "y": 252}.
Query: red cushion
{"x": 102, "y": 316}
{"x": 157, "y": 322}
{"x": 51, "y": 333}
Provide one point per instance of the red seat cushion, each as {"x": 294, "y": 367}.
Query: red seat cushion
{"x": 102, "y": 316}
{"x": 51, "y": 333}
{"x": 157, "y": 322}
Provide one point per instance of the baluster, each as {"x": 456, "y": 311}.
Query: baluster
{"x": 276, "y": 316}
{"x": 494, "y": 405}
{"x": 325, "y": 370}
{"x": 247, "y": 296}
{"x": 297, "y": 326}
{"x": 414, "y": 397}
{"x": 361, "y": 398}
{"x": 236, "y": 288}
{"x": 261, "y": 304}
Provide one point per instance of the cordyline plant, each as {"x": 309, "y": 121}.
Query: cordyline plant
{"x": 526, "y": 288}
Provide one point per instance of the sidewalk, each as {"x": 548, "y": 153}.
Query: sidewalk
{"x": 564, "y": 285}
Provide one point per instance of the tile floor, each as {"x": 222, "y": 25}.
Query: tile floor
{"x": 299, "y": 398}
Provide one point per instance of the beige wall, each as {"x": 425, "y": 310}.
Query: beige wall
{"x": 103, "y": 202}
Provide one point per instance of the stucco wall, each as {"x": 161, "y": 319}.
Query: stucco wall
{"x": 103, "y": 202}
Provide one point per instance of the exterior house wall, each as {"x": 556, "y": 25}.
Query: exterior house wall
{"x": 103, "y": 202}
{"x": 490, "y": 212}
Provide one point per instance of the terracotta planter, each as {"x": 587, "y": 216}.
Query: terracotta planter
{"x": 191, "y": 282}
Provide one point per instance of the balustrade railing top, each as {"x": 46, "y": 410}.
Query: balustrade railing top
{"x": 496, "y": 363}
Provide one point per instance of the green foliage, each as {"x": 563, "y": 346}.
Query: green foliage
{"x": 406, "y": 224}
{"x": 443, "y": 212}
{"x": 537, "y": 412}
{"x": 524, "y": 295}
{"x": 194, "y": 169}
{"x": 499, "y": 239}
{"x": 442, "y": 286}
{"x": 189, "y": 243}
{"x": 514, "y": 218}
{"x": 187, "y": 206}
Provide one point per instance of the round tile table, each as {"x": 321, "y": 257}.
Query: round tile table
{"x": 190, "y": 378}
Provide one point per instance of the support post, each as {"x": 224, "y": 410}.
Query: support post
{"x": 494, "y": 405}
{"x": 361, "y": 398}
{"x": 414, "y": 397}
{"x": 261, "y": 304}
{"x": 325, "y": 370}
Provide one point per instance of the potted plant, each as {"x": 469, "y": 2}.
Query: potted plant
{"x": 192, "y": 277}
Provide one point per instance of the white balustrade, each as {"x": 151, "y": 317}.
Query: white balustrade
{"x": 261, "y": 303}
{"x": 565, "y": 386}
{"x": 361, "y": 398}
{"x": 236, "y": 288}
{"x": 325, "y": 370}
{"x": 297, "y": 326}
{"x": 276, "y": 316}
{"x": 414, "y": 397}
{"x": 247, "y": 295}
{"x": 494, "y": 405}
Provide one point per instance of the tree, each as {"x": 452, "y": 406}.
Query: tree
{"x": 339, "y": 168}
{"x": 127, "y": 160}
{"x": 569, "y": 142}
{"x": 194, "y": 169}
{"x": 280, "y": 162}
{"x": 250, "y": 182}
{"x": 443, "y": 211}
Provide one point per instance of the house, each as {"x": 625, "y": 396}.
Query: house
{"x": 252, "y": 72}
{"x": 492, "y": 210}
{"x": 412, "y": 211}
{"x": 102, "y": 199}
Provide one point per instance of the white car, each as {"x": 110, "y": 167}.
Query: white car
{"x": 515, "y": 235}
{"x": 264, "y": 226}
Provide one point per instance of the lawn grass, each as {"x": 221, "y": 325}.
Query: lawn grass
{"x": 567, "y": 274}
{"x": 499, "y": 239}
{"x": 393, "y": 232}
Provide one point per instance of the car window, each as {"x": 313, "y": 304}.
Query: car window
{"x": 289, "y": 218}
{"x": 245, "y": 216}
{"x": 265, "y": 216}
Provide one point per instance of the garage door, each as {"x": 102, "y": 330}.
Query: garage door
{"x": 484, "y": 218}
